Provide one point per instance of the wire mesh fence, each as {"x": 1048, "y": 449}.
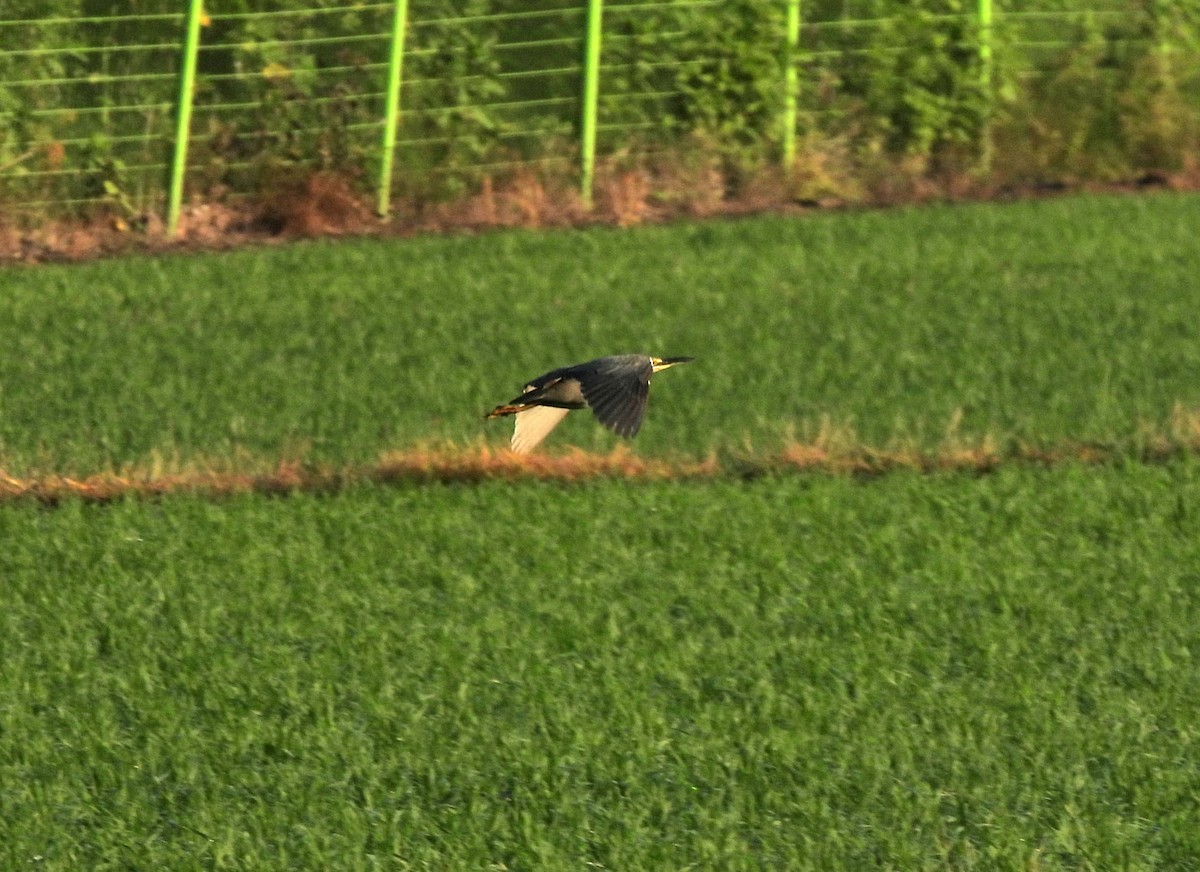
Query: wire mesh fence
{"x": 111, "y": 105}
{"x": 85, "y": 108}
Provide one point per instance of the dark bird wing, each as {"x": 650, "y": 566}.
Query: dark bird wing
{"x": 617, "y": 392}
{"x": 558, "y": 388}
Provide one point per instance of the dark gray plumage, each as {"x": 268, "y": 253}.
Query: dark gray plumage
{"x": 614, "y": 388}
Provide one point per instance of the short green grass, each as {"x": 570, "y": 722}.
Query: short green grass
{"x": 915, "y": 672}
{"x": 1036, "y": 321}
{"x": 808, "y": 672}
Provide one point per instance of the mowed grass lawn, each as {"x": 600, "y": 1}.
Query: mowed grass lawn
{"x": 1035, "y": 322}
{"x": 938, "y": 672}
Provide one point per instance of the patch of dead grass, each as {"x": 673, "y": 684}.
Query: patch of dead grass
{"x": 832, "y": 450}
{"x": 319, "y": 204}
{"x": 484, "y": 463}
{"x": 683, "y": 182}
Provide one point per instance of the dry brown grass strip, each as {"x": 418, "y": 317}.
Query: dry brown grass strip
{"x": 830, "y": 453}
{"x": 419, "y": 465}
{"x": 685, "y": 182}
{"x": 483, "y": 463}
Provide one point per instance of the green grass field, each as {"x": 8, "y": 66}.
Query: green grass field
{"x": 783, "y": 671}
{"x": 915, "y": 673}
{"x": 1032, "y": 321}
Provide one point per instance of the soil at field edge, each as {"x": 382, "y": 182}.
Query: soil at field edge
{"x": 326, "y": 204}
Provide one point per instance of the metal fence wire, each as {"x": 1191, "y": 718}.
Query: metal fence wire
{"x": 127, "y": 105}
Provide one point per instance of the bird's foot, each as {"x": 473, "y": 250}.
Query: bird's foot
{"x": 501, "y": 411}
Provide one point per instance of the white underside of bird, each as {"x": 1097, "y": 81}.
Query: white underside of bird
{"x": 533, "y": 425}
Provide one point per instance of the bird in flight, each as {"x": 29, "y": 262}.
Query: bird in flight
{"x": 614, "y": 388}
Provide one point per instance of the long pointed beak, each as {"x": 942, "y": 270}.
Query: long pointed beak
{"x": 661, "y": 363}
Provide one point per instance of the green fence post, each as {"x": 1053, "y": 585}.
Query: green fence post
{"x": 183, "y": 121}
{"x": 985, "y": 82}
{"x": 591, "y": 96}
{"x": 391, "y": 110}
{"x": 791, "y": 81}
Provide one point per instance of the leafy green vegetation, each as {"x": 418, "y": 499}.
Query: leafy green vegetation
{"x": 893, "y": 88}
{"x": 920, "y": 672}
{"x": 1037, "y": 322}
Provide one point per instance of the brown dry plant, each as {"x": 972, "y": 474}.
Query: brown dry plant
{"x": 832, "y": 450}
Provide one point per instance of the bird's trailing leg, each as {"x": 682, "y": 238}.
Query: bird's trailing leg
{"x": 501, "y": 411}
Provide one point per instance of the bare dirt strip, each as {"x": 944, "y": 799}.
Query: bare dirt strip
{"x": 326, "y": 204}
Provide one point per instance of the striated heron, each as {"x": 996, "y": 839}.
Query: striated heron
{"x": 614, "y": 388}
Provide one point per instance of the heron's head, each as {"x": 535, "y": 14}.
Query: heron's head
{"x": 661, "y": 363}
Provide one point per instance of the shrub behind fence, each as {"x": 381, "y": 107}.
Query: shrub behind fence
{"x": 91, "y": 92}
